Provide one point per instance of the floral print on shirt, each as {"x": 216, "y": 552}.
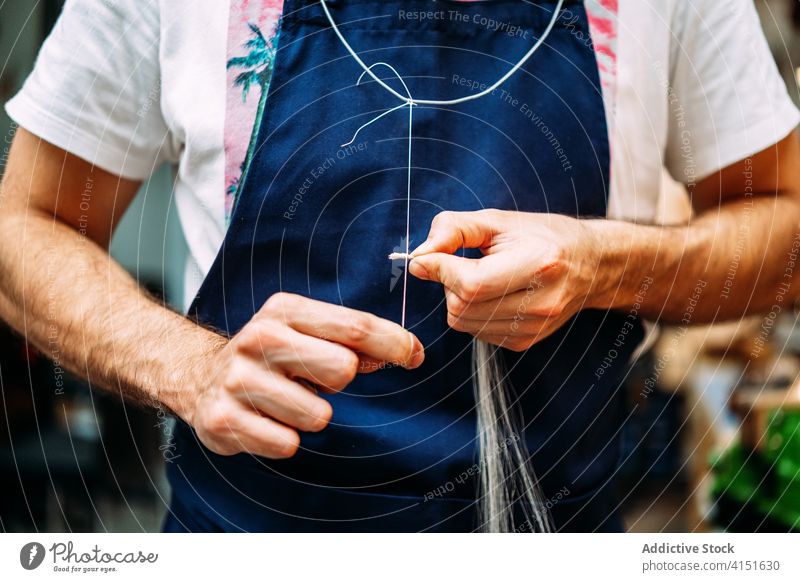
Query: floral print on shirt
{"x": 252, "y": 42}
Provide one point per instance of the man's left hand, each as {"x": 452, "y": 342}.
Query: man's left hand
{"x": 536, "y": 272}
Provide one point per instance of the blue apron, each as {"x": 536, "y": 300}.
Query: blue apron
{"x": 318, "y": 219}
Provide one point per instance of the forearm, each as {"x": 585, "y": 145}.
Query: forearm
{"x": 729, "y": 262}
{"x": 73, "y": 302}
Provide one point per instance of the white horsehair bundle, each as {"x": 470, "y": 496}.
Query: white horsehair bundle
{"x": 507, "y": 479}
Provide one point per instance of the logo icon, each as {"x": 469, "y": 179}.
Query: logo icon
{"x": 31, "y": 555}
{"x": 398, "y": 265}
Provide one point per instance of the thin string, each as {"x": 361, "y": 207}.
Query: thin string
{"x": 488, "y": 90}
{"x": 408, "y": 211}
{"x": 492, "y": 405}
{"x": 409, "y": 101}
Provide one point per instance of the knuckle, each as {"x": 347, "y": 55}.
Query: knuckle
{"x": 280, "y": 302}
{"x": 492, "y": 213}
{"x": 347, "y": 370}
{"x": 442, "y": 219}
{"x": 319, "y": 417}
{"x": 555, "y": 262}
{"x": 235, "y": 376}
{"x": 258, "y": 335}
{"x": 455, "y": 322}
{"x": 273, "y": 303}
{"x": 550, "y": 309}
{"x": 246, "y": 339}
{"x": 518, "y": 345}
{"x": 513, "y": 345}
{"x": 249, "y": 336}
{"x": 358, "y": 327}
{"x": 218, "y": 421}
{"x": 223, "y": 448}
{"x": 287, "y": 445}
{"x": 404, "y": 349}
{"x": 456, "y": 305}
{"x": 557, "y": 310}
{"x": 468, "y": 288}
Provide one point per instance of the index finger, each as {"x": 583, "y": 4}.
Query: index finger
{"x": 451, "y": 231}
{"x": 377, "y": 338}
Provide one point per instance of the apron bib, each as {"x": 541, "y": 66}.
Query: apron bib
{"x": 314, "y": 218}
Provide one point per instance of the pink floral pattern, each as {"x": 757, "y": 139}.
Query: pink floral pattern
{"x": 242, "y": 104}
{"x": 603, "y": 27}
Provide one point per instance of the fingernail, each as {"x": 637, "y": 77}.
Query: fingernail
{"x": 425, "y": 247}
{"x": 417, "y": 358}
{"x": 418, "y": 270}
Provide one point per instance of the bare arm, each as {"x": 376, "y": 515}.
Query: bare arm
{"x": 737, "y": 256}
{"x": 60, "y": 288}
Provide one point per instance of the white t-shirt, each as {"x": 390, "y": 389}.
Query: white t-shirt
{"x": 689, "y": 85}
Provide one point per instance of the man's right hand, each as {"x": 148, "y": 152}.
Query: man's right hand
{"x": 252, "y": 393}
{"x": 258, "y": 391}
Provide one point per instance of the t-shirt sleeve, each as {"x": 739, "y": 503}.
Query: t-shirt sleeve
{"x": 727, "y": 100}
{"x": 95, "y": 88}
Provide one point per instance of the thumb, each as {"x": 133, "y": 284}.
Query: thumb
{"x": 449, "y": 270}
{"x": 451, "y": 231}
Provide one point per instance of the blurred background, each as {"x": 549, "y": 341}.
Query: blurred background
{"x": 713, "y": 441}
